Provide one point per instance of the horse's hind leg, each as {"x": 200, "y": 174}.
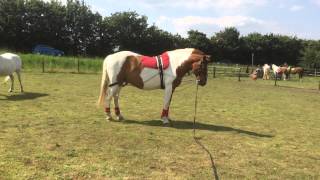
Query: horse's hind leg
{"x": 107, "y": 105}
{"x": 116, "y": 105}
{"x": 110, "y": 94}
{"x": 12, "y": 82}
{"x": 19, "y": 78}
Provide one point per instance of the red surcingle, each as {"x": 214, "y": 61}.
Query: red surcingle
{"x": 151, "y": 62}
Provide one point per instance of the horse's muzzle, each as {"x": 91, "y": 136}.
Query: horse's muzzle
{"x": 202, "y": 83}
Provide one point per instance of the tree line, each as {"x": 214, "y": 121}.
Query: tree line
{"x": 77, "y": 30}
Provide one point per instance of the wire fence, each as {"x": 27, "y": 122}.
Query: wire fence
{"x": 41, "y": 63}
{"x": 237, "y": 71}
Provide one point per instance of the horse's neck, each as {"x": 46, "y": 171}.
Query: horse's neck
{"x": 180, "y": 62}
{"x": 185, "y": 67}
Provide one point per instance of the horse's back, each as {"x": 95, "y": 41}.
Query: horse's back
{"x": 176, "y": 57}
{"x": 9, "y": 63}
{"x": 116, "y": 60}
{"x": 112, "y": 64}
{"x": 119, "y": 56}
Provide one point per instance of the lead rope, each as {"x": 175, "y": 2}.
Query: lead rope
{"x": 197, "y": 140}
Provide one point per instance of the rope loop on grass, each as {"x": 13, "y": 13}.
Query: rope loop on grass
{"x": 197, "y": 140}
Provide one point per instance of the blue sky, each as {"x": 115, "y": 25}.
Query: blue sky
{"x": 299, "y": 18}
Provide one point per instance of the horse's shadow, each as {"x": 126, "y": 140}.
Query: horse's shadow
{"x": 178, "y": 124}
{"x": 23, "y": 96}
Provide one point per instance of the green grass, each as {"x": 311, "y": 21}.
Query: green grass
{"x": 253, "y": 130}
{"x": 34, "y": 62}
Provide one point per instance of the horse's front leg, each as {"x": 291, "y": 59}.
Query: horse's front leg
{"x": 284, "y": 76}
{"x": 167, "y": 99}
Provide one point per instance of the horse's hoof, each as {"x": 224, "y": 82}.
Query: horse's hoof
{"x": 108, "y": 117}
{"x": 169, "y": 124}
{"x": 166, "y": 122}
{"x": 120, "y": 118}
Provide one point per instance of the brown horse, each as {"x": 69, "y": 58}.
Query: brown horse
{"x": 295, "y": 70}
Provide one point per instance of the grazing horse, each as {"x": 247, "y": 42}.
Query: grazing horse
{"x": 148, "y": 73}
{"x": 266, "y": 72}
{"x": 295, "y": 70}
{"x": 10, "y": 63}
{"x": 279, "y": 71}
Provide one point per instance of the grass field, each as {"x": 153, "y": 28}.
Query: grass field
{"x": 253, "y": 130}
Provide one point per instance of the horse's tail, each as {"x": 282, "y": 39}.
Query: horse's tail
{"x": 6, "y": 79}
{"x": 104, "y": 85}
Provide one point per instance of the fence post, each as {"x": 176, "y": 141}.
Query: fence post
{"x": 42, "y": 65}
{"x": 78, "y": 64}
{"x": 315, "y": 72}
{"x": 239, "y": 74}
{"x": 214, "y": 72}
{"x": 275, "y": 79}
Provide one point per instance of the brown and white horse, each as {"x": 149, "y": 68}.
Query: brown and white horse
{"x": 279, "y": 71}
{"x": 295, "y": 70}
{"x": 142, "y": 72}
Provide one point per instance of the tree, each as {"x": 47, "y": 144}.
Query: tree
{"x": 253, "y": 43}
{"x": 227, "y": 44}
{"x": 82, "y": 27}
{"x": 311, "y": 54}
{"x": 199, "y": 40}
{"x": 11, "y": 23}
{"x": 127, "y": 30}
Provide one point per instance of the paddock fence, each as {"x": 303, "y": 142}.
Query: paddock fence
{"x": 41, "y": 63}
{"x": 216, "y": 70}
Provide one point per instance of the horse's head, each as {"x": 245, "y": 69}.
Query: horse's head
{"x": 200, "y": 69}
{"x": 274, "y": 67}
{"x": 266, "y": 67}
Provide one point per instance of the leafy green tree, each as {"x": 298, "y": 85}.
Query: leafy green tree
{"x": 199, "y": 40}
{"x": 156, "y": 41}
{"x": 253, "y": 43}
{"x": 127, "y": 30}
{"x": 227, "y": 44}
{"x": 11, "y": 27}
{"x": 82, "y": 27}
{"x": 311, "y": 54}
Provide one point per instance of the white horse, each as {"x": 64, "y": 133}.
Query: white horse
{"x": 266, "y": 71}
{"x": 10, "y": 63}
{"x": 145, "y": 73}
